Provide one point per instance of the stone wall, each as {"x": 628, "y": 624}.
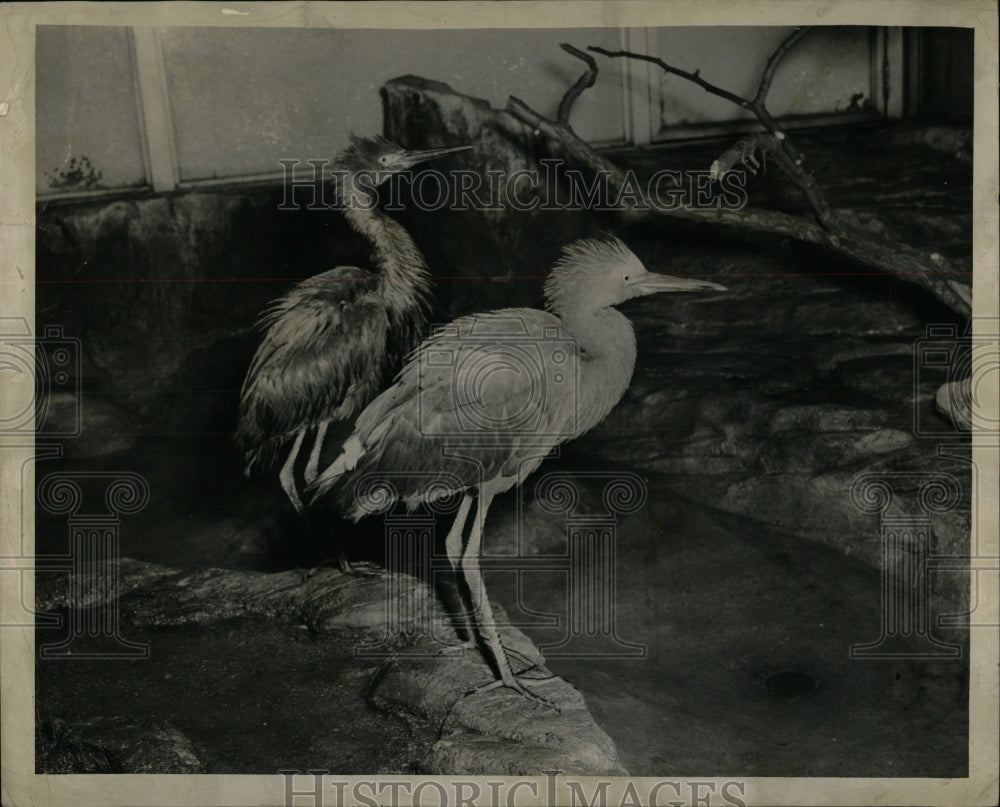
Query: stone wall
{"x": 163, "y": 293}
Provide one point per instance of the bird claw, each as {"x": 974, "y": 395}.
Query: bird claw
{"x": 472, "y": 644}
{"x": 360, "y": 570}
{"x": 515, "y": 683}
{"x": 530, "y": 664}
{"x": 345, "y": 567}
{"x": 520, "y": 688}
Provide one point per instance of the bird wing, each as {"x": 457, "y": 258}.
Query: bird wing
{"x": 484, "y": 392}
{"x": 322, "y": 357}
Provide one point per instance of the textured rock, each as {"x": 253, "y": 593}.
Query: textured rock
{"x": 103, "y": 427}
{"x": 952, "y": 140}
{"x": 114, "y": 745}
{"x": 780, "y": 436}
{"x": 392, "y": 621}
{"x": 954, "y": 401}
{"x": 163, "y": 294}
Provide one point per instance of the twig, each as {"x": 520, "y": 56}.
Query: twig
{"x": 584, "y": 82}
{"x": 764, "y": 87}
{"x": 786, "y": 155}
{"x": 694, "y": 77}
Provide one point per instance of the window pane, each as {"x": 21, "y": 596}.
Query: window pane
{"x": 243, "y": 99}
{"x": 86, "y": 122}
{"x": 828, "y": 70}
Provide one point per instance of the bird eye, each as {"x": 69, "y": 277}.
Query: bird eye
{"x": 627, "y": 278}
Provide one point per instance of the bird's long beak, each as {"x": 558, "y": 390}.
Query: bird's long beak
{"x": 652, "y": 283}
{"x": 410, "y": 158}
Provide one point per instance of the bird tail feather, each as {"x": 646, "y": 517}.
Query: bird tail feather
{"x": 348, "y": 459}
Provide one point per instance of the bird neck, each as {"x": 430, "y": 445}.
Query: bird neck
{"x": 602, "y": 332}
{"x": 607, "y": 347}
{"x": 405, "y": 277}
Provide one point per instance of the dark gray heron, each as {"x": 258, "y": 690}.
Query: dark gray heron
{"x": 483, "y": 401}
{"x": 334, "y": 341}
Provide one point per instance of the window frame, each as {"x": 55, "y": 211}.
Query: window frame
{"x": 638, "y": 109}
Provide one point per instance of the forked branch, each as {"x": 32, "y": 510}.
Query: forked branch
{"x": 786, "y": 155}
{"x": 934, "y": 273}
{"x": 585, "y": 81}
{"x": 694, "y": 77}
{"x": 764, "y": 87}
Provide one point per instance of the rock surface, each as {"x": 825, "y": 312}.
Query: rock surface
{"x": 114, "y": 745}
{"x": 99, "y": 427}
{"x": 412, "y": 672}
{"x": 954, "y": 401}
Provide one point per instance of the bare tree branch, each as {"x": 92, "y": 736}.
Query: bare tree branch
{"x": 935, "y": 274}
{"x": 694, "y": 77}
{"x": 764, "y": 87}
{"x": 786, "y": 155}
{"x": 584, "y": 82}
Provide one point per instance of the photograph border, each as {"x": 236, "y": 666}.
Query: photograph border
{"x": 22, "y": 786}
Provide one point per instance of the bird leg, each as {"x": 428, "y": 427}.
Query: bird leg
{"x": 287, "y": 474}
{"x": 481, "y": 604}
{"x": 312, "y": 467}
{"x": 312, "y": 471}
{"x": 453, "y": 547}
{"x": 344, "y": 564}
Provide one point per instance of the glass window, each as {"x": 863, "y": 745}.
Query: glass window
{"x": 86, "y": 120}
{"x": 829, "y": 70}
{"x": 243, "y": 99}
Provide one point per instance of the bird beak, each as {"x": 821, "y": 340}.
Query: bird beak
{"x": 653, "y": 283}
{"x": 410, "y": 158}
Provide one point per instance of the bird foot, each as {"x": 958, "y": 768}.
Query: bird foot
{"x": 345, "y": 566}
{"x": 471, "y": 643}
{"x": 315, "y": 569}
{"x": 358, "y": 569}
{"x": 519, "y": 683}
{"x": 531, "y": 664}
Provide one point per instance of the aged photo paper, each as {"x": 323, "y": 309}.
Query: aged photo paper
{"x": 495, "y": 403}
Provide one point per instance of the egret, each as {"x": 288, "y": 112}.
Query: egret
{"x": 483, "y": 401}
{"x": 334, "y": 341}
